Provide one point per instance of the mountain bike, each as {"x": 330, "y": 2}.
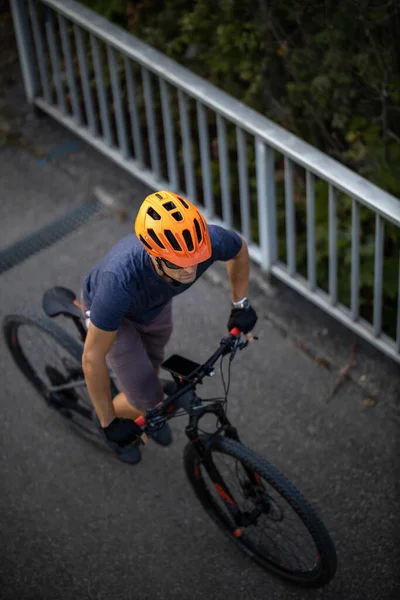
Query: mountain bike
{"x": 248, "y": 498}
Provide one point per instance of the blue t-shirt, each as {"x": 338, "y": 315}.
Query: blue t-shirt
{"x": 125, "y": 283}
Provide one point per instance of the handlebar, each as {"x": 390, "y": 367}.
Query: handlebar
{"x": 226, "y": 346}
{"x": 141, "y": 421}
{"x": 235, "y": 332}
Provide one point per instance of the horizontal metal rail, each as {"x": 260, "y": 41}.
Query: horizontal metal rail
{"x": 171, "y": 129}
{"x": 236, "y": 112}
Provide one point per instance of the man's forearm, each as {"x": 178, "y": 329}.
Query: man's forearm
{"x": 98, "y": 384}
{"x": 239, "y": 270}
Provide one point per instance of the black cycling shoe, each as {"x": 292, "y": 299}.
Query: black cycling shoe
{"x": 168, "y": 386}
{"x": 129, "y": 454}
{"x": 163, "y": 436}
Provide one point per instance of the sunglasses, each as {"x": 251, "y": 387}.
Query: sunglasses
{"x": 170, "y": 265}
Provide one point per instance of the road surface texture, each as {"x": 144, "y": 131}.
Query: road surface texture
{"x": 76, "y": 523}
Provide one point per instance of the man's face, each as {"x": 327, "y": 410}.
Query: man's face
{"x": 181, "y": 274}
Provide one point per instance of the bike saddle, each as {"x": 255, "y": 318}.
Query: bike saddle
{"x": 60, "y": 301}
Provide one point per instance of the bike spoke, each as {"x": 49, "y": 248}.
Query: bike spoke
{"x": 280, "y": 533}
{"x": 59, "y": 372}
{"x": 273, "y": 533}
{"x": 287, "y": 548}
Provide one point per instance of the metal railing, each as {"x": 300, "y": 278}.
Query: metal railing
{"x": 173, "y": 130}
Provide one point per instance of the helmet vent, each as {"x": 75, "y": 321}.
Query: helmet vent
{"x": 153, "y": 214}
{"x": 198, "y": 230}
{"x": 183, "y": 202}
{"x": 141, "y": 238}
{"x": 159, "y": 196}
{"x": 169, "y": 206}
{"x": 177, "y": 216}
{"x": 155, "y": 238}
{"x": 188, "y": 239}
{"x": 172, "y": 239}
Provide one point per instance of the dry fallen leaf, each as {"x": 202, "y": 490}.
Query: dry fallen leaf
{"x": 370, "y": 401}
{"x": 324, "y": 362}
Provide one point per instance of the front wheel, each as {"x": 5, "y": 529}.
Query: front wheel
{"x": 262, "y": 512}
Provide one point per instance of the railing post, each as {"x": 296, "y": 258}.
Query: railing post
{"x": 25, "y": 48}
{"x": 266, "y": 205}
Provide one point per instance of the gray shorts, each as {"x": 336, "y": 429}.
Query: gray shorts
{"x": 135, "y": 354}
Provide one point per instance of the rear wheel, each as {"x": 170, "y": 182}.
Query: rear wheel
{"x": 51, "y": 360}
{"x": 273, "y": 524}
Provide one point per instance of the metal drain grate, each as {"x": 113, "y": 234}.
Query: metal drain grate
{"x": 48, "y": 235}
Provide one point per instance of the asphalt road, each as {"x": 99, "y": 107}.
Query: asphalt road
{"x": 75, "y": 523}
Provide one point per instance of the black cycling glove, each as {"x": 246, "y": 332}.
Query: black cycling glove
{"x": 243, "y": 318}
{"x": 122, "y": 432}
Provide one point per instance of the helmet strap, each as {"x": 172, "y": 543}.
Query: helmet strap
{"x": 171, "y": 279}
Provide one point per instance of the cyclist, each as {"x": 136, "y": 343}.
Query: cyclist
{"x": 128, "y": 298}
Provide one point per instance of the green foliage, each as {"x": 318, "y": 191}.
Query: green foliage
{"x": 114, "y": 10}
{"x": 329, "y": 72}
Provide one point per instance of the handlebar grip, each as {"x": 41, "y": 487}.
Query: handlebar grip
{"x": 141, "y": 421}
{"x": 235, "y": 331}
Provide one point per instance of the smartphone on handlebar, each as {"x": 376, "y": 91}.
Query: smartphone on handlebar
{"x": 180, "y": 367}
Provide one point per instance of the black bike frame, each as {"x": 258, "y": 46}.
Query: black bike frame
{"x": 205, "y": 456}
{"x": 166, "y": 409}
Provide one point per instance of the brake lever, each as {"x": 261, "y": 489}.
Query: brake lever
{"x": 246, "y": 343}
{"x": 236, "y": 345}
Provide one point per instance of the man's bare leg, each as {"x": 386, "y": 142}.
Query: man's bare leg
{"x": 124, "y": 409}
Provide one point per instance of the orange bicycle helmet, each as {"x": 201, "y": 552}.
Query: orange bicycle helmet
{"x": 172, "y": 228}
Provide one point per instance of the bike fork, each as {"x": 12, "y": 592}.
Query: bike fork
{"x": 222, "y": 490}
{"x": 205, "y": 458}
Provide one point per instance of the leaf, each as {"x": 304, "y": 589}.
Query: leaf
{"x": 321, "y": 83}
{"x": 283, "y": 49}
{"x": 339, "y": 121}
{"x": 352, "y": 136}
{"x": 369, "y": 401}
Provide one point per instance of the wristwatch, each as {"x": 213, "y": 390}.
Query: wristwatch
{"x": 242, "y": 304}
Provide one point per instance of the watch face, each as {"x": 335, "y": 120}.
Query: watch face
{"x": 244, "y": 304}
